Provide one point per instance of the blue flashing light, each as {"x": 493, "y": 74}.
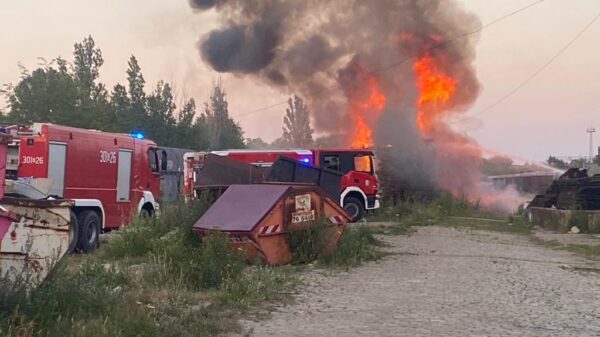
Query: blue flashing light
{"x": 305, "y": 160}
{"x": 137, "y": 135}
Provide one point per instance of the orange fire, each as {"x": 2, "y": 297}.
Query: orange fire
{"x": 435, "y": 90}
{"x": 364, "y": 109}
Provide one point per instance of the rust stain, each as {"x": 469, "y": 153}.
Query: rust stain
{"x": 36, "y": 266}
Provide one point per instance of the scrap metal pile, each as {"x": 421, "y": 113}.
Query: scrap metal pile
{"x": 574, "y": 190}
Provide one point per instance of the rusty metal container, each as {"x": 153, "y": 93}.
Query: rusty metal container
{"x": 34, "y": 234}
{"x": 259, "y": 217}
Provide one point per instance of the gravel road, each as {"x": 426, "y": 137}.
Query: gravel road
{"x": 447, "y": 282}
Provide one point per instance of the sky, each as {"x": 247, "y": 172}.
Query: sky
{"x": 549, "y": 116}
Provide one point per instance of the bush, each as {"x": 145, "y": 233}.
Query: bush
{"x": 357, "y": 245}
{"x": 308, "y": 244}
{"x": 139, "y": 237}
{"x": 259, "y": 283}
{"x": 66, "y": 295}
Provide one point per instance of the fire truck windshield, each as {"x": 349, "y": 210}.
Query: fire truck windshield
{"x": 363, "y": 163}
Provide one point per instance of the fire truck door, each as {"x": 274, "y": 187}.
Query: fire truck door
{"x": 56, "y": 168}
{"x": 124, "y": 175}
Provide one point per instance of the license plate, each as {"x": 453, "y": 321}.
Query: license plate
{"x": 303, "y": 216}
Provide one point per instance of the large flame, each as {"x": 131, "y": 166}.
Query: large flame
{"x": 365, "y": 112}
{"x": 435, "y": 90}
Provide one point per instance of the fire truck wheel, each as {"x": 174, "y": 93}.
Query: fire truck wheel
{"x": 355, "y": 208}
{"x": 73, "y": 233}
{"x": 145, "y": 213}
{"x": 89, "y": 231}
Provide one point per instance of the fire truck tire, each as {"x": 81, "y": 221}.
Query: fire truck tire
{"x": 89, "y": 231}
{"x": 355, "y": 208}
{"x": 73, "y": 233}
{"x": 146, "y": 212}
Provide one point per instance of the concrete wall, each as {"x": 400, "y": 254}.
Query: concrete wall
{"x": 562, "y": 220}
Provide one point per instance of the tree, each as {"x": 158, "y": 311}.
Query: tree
{"x": 329, "y": 141}
{"x": 86, "y": 66}
{"x": 92, "y": 102}
{"x": 558, "y": 163}
{"x": 256, "y": 143}
{"x": 186, "y": 135}
{"x": 160, "y": 123}
{"x": 201, "y": 138}
{"x": 72, "y": 94}
{"x": 224, "y": 132}
{"x": 120, "y": 106}
{"x": 296, "y": 123}
{"x": 135, "y": 117}
{"x": 48, "y": 94}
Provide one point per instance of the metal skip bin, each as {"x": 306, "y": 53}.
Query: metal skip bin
{"x": 258, "y": 218}
{"x": 34, "y": 234}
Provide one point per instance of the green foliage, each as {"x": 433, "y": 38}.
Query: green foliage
{"x": 260, "y": 283}
{"x": 308, "y": 244}
{"x": 558, "y": 163}
{"x": 71, "y": 94}
{"x": 445, "y": 210}
{"x": 224, "y": 132}
{"x": 591, "y": 251}
{"x": 47, "y": 94}
{"x": 139, "y": 238}
{"x": 155, "y": 278}
{"x": 296, "y": 124}
{"x": 256, "y": 144}
{"x": 356, "y": 246}
{"x": 82, "y": 293}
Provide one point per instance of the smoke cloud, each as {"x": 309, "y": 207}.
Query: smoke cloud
{"x": 330, "y": 51}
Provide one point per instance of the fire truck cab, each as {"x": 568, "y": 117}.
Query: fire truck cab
{"x": 359, "y": 184}
{"x": 111, "y": 177}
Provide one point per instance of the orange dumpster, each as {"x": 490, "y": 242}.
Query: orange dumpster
{"x": 259, "y": 217}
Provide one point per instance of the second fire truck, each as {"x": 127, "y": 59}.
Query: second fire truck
{"x": 358, "y": 186}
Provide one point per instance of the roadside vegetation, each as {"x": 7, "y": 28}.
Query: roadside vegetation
{"x": 443, "y": 210}
{"x": 154, "y": 278}
{"x": 157, "y": 278}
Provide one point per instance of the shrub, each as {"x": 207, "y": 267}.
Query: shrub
{"x": 357, "y": 245}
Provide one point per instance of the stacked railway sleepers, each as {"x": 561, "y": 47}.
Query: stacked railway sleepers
{"x": 574, "y": 190}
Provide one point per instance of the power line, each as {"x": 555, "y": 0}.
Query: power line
{"x": 544, "y": 66}
{"x": 260, "y": 109}
{"x": 437, "y": 45}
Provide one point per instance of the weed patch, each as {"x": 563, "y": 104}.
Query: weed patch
{"x": 444, "y": 210}
{"x": 356, "y": 246}
{"x": 154, "y": 278}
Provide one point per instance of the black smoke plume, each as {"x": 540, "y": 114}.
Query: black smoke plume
{"x": 313, "y": 47}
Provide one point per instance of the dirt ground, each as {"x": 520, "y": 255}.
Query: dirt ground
{"x": 447, "y": 282}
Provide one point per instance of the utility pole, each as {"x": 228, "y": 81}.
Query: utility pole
{"x": 591, "y": 131}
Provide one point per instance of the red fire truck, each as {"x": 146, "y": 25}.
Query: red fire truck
{"x": 111, "y": 177}
{"x": 358, "y": 186}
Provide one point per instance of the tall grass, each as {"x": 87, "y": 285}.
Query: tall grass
{"x": 153, "y": 278}
{"x": 355, "y": 246}
{"x": 444, "y": 210}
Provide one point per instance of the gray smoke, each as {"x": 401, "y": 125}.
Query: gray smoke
{"x": 326, "y": 50}
{"x": 302, "y": 46}
{"x": 243, "y": 49}
{"x": 206, "y": 4}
